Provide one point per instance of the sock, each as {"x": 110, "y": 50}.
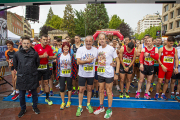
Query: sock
{"x": 157, "y": 93}
{"x": 47, "y": 95}
{"x": 74, "y": 88}
{"x": 172, "y": 92}
{"x": 29, "y": 90}
{"x": 88, "y": 104}
{"x": 93, "y": 91}
{"x": 177, "y": 93}
{"x": 17, "y": 92}
{"x": 51, "y": 89}
{"x": 80, "y": 106}
{"x": 96, "y": 91}
{"x": 109, "y": 108}
{"x": 101, "y": 105}
{"x": 42, "y": 89}
{"x": 163, "y": 94}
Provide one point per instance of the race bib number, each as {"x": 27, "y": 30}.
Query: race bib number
{"x": 66, "y": 71}
{"x": 149, "y": 59}
{"x": 137, "y": 60}
{"x": 50, "y": 65}
{"x": 101, "y": 69}
{"x": 127, "y": 61}
{"x": 42, "y": 67}
{"x": 168, "y": 59}
{"x": 96, "y": 63}
{"x": 156, "y": 62}
{"x": 88, "y": 68}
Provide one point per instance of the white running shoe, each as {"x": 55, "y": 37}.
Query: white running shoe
{"x": 13, "y": 93}
{"x": 99, "y": 110}
{"x": 58, "y": 85}
{"x": 117, "y": 87}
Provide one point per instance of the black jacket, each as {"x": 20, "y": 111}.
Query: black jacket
{"x": 26, "y": 64}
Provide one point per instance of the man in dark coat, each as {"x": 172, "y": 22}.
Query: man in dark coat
{"x": 26, "y": 62}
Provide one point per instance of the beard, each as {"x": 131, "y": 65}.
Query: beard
{"x": 26, "y": 48}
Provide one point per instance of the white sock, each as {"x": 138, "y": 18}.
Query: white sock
{"x": 157, "y": 93}
{"x": 172, "y": 92}
{"x": 177, "y": 93}
{"x": 163, "y": 94}
{"x": 17, "y": 92}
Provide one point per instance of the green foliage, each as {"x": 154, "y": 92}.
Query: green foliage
{"x": 49, "y": 16}
{"x": 125, "y": 29}
{"x": 55, "y": 22}
{"x": 68, "y": 20}
{"x": 96, "y": 18}
{"x": 79, "y": 23}
{"x": 115, "y": 22}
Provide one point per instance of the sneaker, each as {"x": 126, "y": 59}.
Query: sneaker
{"x": 68, "y": 104}
{"x": 121, "y": 95}
{"x": 154, "y": 84}
{"x": 178, "y": 97}
{"x": 48, "y": 101}
{"x": 15, "y": 96}
{"x": 90, "y": 109}
{"x": 117, "y": 87}
{"x": 13, "y": 93}
{"x": 164, "y": 97}
{"x": 73, "y": 92}
{"x": 79, "y": 111}
{"x": 40, "y": 93}
{"x": 36, "y": 110}
{"x": 99, "y": 110}
{"x": 58, "y": 85}
{"x": 29, "y": 94}
{"x": 105, "y": 93}
{"x": 51, "y": 93}
{"x": 127, "y": 95}
{"x": 172, "y": 96}
{"x": 97, "y": 95}
{"x": 22, "y": 112}
{"x": 156, "y": 96}
{"x": 62, "y": 105}
{"x": 137, "y": 95}
{"x": 147, "y": 96}
{"x": 108, "y": 114}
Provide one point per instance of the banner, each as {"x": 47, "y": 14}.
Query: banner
{"x": 3, "y": 24}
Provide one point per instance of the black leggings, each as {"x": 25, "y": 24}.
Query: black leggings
{"x": 62, "y": 83}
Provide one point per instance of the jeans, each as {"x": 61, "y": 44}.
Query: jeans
{"x": 22, "y": 99}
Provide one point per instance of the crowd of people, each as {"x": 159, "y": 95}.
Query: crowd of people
{"x": 92, "y": 68}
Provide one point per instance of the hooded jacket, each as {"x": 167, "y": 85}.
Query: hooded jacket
{"x": 26, "y": 64}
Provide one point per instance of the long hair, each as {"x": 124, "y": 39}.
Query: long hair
{"x": 64, "y": 44}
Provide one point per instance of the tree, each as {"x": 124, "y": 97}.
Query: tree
{"x": 68, "y": 20}
{"x": 124, "y": 29}
{"x": 79, "y": 23}
{"x": 115, "y": 22}
{"x": 55, "y": 22}
{"x": 96, "y": 18}
{"x": 49, "y": 16}
{"x": 45, "y": 29}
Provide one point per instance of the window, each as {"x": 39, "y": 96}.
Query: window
{"x": 165, "y": 27}
{"x": 172, "y": 14}
{"x": 166, "y": 8}
{"x": 165, "y": 18}
{"x": 178, "y": 11}
{"x": 171, "y": 25}
{"x": 178, "y": 23}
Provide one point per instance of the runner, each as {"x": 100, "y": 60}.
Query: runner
{"x": 137, "y": 64}
{"x": 75, "y": 47}
{"x": 66, "y": 70}
{"x": 176, "y": 77}
{"x": 86, "y": 58}
{"x": 68, "y": 39}
{"x": 45, "y": 52}
{"x": 106, "y": 54}
{"x": 168, "y": 56}
{"x": 26, "y": 62}
{"x": 9, "y": 58}
{"x": 148, "y": 54}
{"x": 127, "y": 58}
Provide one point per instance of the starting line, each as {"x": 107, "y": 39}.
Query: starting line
{"x": 117, "y": 102}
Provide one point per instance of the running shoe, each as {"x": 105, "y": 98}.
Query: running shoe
{"x": 121, "y": 95}
{"x": 147, "y": 96}
{"x": 108, "y": 114}
{"x": 172, "y": 96}
{"x": 127, "y": 95}
{"x": 13, "y": 93}
{"x": 117, "y": 87}
{"x": 90, "y": 109}
{"x": 29, "y": 94}
{"x": 36, "y": 110}
{"x": 164, "y": 97}
{"x": 137, "y": 95}
{"x": 105, "y": 93}
{"x": 99, "y": 110}
{"x": 73, "y": 92}
{"x": 156, "y": 96}
{"x": 41, "y": 92}
{"x": 154, "y": 84}
{"x": 62, "y": 105}
{"x": 58, "y": 85}
{"x": 22, "y": 112}
{"x": 79, "y": 111}
{"x": 51, "y": 93}
{"x": 15, "y": 96}
{"x": 68, "y": 104}
{"x": 178, "y": 97}
{"x": 48, "y": 101}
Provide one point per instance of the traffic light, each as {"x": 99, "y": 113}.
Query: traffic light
{"x": 32, "y": 12}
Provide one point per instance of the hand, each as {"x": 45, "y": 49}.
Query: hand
{"x": 15, "y": 71}
{"x": 126, "y": 69}
{"x": 176, "y": 71}
{"x": 113, "y": 64}
{"x": 45, "y": 55}
{"x": 10, "y": 65}
{"x": 115, "y": 77}
{"x": 141, "y": 67}
{"x": 146, "y": 54}
{"x": 164, "y": 68}
{"x": 90, "y": 60}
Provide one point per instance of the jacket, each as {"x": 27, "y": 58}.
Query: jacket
{"x": 26, "y": 64}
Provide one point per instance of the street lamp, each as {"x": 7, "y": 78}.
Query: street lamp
{"x": 161, "y": 21}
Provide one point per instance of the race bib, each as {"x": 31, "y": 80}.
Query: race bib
{"x": 179, "y": 61}
{"x": 149, "y": 59}
{"x": 101, "y": 69}
{"x": 156, "y": 62}
{"x": 168, "y": 59}
{"x": 88, "y": 68}
{"x": 126, "y": 60}
{"x": 42, "y": 67}
{"x": 66, "y": 71}
{"x": 50, "y": 65}
{"x": 137, "y": 60}
{"x": 96, "y": 63}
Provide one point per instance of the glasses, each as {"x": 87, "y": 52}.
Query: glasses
{"x": 26, "y": 43}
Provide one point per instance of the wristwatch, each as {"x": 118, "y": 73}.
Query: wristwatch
{"x": 117, "y": 73}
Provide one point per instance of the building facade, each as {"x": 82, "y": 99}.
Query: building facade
{"x": 171, "y": 19}
{"x": 27, "y": 28}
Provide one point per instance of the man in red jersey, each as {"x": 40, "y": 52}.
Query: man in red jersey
{"x": 127, "y": 57}
{"x": 167, "y": 55}
{"x": 148, "y": 54}
{"x": 45, "y": 52}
